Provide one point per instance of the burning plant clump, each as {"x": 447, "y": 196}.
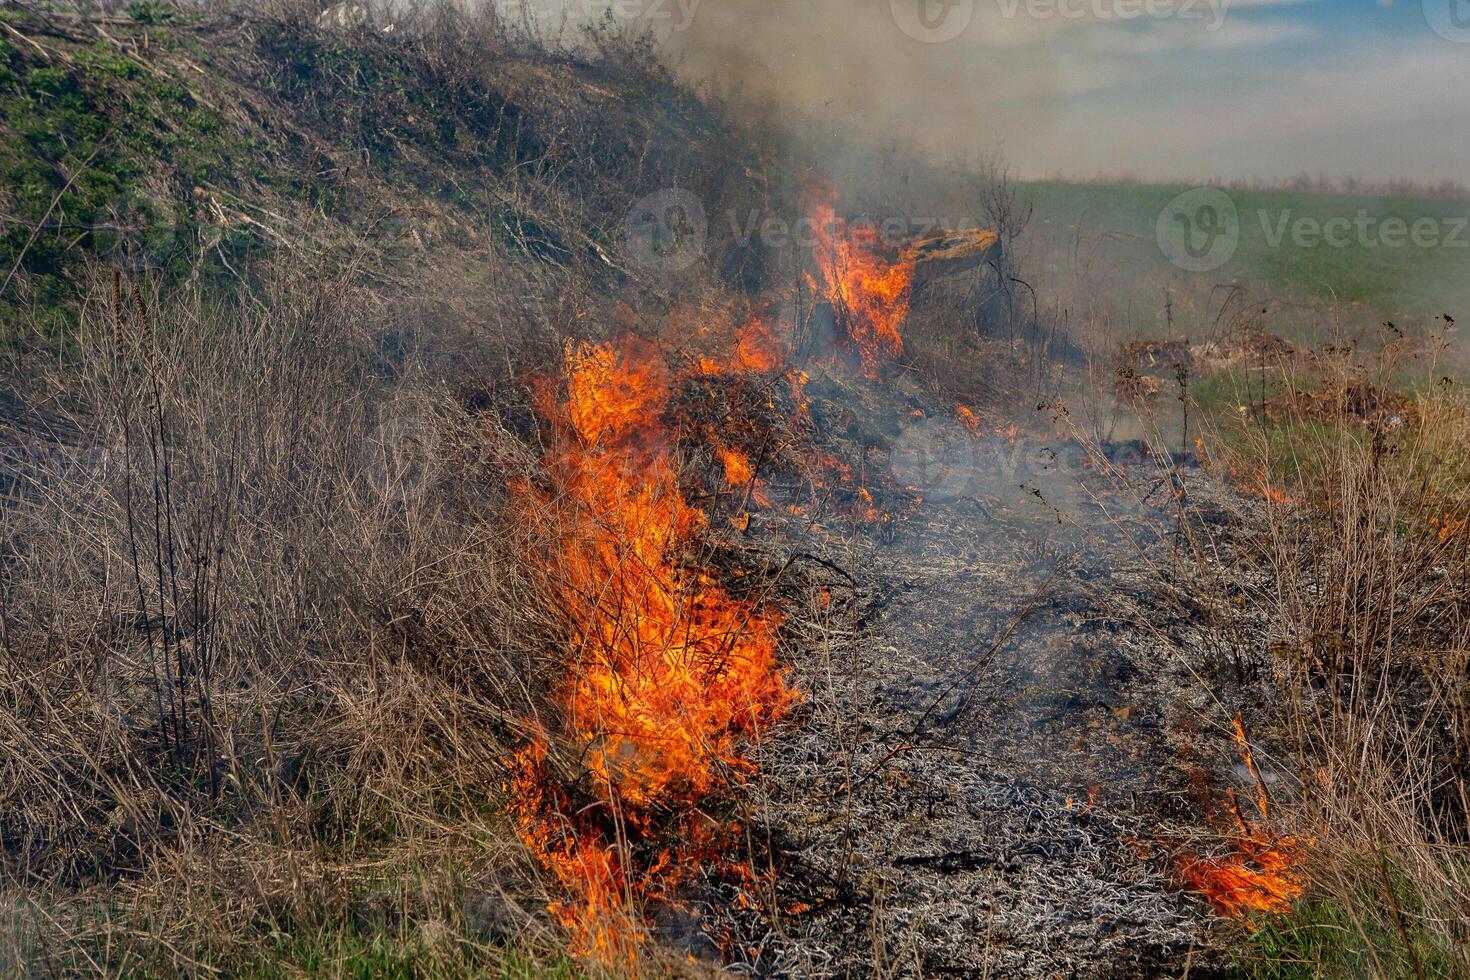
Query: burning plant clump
{"x": 743, "y": 412}
{"x": 670, "y": 675}
{"x": 1258, "y": 875}
{"x": 672, "y": 670}
{"x": 869, "y": 292}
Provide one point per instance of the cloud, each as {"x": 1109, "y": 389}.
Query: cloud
{"x": 1393, "y": 109}
{"x": 1148, "y": 23}
{"x": 1166, "y": 95}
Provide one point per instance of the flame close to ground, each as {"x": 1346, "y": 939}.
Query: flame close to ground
{"x": 1259, "y": 875}
{"x": 869, "y": 292}
{"x": 1262, "y": 872}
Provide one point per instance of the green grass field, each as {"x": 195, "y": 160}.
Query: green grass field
{"x": 1354, "y": 251}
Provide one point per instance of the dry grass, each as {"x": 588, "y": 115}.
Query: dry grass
{"x": 268, "y": 639}
{"x": 1361, "y": 566}
{"x": 265, "y": 642}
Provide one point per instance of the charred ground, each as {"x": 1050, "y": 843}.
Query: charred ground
{"x": 348, "y": 440}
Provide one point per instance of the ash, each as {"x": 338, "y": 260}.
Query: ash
{"x": 991, "y": 746}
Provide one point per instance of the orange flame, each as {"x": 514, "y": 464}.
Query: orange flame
{"x": 870, "y": 294}
{"x": 1264, "y": 488}
{"x": 1447, "y": 527}
{"x": 967, "y": 416}
{"x": 756, "y": 348}
{"x": 670, "y": 676}
{"x": 1261, "y": 873}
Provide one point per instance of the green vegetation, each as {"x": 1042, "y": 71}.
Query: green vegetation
{"x": 101, "y": 156}
{"x": 164, "y": 146}
{"x": 1403, "y": 279}
{"x": 1322, "y": 937}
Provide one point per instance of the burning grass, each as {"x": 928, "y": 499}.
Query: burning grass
{"x": 1257, "y": 876}
{"x": 671, "y": 677}
{"x": 1260, "y": 873}
{"x": 1362, "y": 491}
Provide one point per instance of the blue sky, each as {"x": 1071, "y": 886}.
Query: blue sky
{"x": 1334, "y": 86}
{"x": 1215, "y": 88}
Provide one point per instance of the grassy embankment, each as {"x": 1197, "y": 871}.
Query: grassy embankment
{"x": 272, "y": 294}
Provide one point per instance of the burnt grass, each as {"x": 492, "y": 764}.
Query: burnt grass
{"x": 999, "y": 748}
{"x": 999, "y": 741}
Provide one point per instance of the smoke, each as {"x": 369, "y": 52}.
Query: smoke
{"x": 1197, "y": 89}
{"x": 843, "y": 66}
{"x": 850, "y": 65}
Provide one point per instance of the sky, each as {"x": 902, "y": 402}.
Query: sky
{"x": 1158, "y": 88}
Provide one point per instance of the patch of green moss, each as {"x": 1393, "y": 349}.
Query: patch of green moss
{"x": 93, "y": 140}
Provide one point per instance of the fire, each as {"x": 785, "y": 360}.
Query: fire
{"x": 1263, "y": 487}
{"x": 1248, "y": 756}
{"x": 670, "y": 675}
{"x": 1447, "y": 527}
{"x": 1262, "y": 873}
{"x": 582, "y": 864}
{"x": 968, "y": 418}
{"x": 756, "y": 347}
{"x": 869, "y": 293}
{"x": 738, "y": 471}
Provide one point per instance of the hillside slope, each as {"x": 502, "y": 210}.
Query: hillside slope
{"x": 189, "y": 148}
{"x": 273, "y": 295}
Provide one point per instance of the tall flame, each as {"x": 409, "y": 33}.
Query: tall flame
{"x": 870, "y": 293}
{"x": 670, "y": 676}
